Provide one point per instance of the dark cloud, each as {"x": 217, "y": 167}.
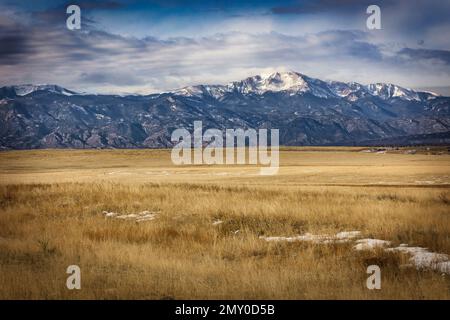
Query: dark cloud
{"x": 317, "y": 6}
{"x": 12, "y": 49}
{"x": 346, "y": 43}
{"x": 57, "y": 16}
{"x": 426, "y": 54}
{"x": 14, "y": 44}
{"x": 97, "y": 58}
{"x": 46, "y": 52}
{"x": 112, "y": 78}
{"x": 101, "y": 5}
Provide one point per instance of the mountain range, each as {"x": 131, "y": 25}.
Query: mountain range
{"x": 307, "y": 111}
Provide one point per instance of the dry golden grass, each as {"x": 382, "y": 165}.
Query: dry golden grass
{"x": 51, "y": 205}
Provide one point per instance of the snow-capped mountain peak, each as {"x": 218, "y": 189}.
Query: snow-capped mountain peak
{"x": 296, "y": 83}
{"x": 387, "y": 91}
{"x": 275, "y": 82}
{"x": 307, "y": 111}
{"x": 24, "y": 89}
{"x": 285, "y": 81}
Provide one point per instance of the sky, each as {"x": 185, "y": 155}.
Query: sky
{"x": 131, "y": 46}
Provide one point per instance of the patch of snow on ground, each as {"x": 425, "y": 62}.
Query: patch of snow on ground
{"x": 127, "y": 216}
{"x": 340, "y": 237}
{"x": 422, "y": 258}
{"x": 138, "y": 217}
{"x": 110, "y": 214}
{"x": 348, "y": 234}
{"x": 368, "y": 244}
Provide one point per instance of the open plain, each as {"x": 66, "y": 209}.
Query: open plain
{"x": 140, "y": 227}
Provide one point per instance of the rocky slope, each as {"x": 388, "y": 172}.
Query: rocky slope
{"x": 307, "y": 111}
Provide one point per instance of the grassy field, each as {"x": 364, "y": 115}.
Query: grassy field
{"x": 206, "y": 240}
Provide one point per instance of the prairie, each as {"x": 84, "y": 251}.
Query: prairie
{"x": 205, "y": 238}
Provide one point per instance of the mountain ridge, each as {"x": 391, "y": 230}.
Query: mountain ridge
{"x": 303, "y": 83}
{"x": 307, "y": 111}
{"x": 386, "y": 89}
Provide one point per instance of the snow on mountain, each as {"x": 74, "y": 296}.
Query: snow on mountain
{"x": 292, "y": 82}
{"x": 276, "y": 82}
{"x": 387, "y": 91}
{"x": 307, "y": 111}
{"x": 343, "y": 89}
{"x": 297, "y": 83}
{"x": 213, "y": 90}
{"x": 24, "y": 89}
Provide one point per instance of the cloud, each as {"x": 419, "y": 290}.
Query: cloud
{"x": 55, "y": 16}
{"x": 321, "y": 6}
{"x": 103, "y": 5}
{"x": 14, "y": 44}
{"x": 426, "y": 54}
{"x": 110, "y": 78}
{"x": 95, "y": 60}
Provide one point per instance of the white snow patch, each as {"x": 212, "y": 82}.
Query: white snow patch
{"x": 368, "y": 244}
{"x": 340, "y": 237}
{"x": 138, "y": 217}
{"x": 110, "y": 214}
{"x": 422, "y": 258}
{"x": 127, "y": 216}
{"x": 348, "y": 234}
{"x": 146, "y": 217}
